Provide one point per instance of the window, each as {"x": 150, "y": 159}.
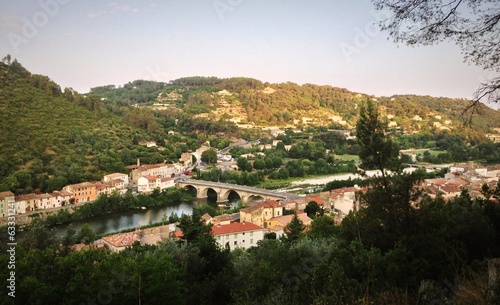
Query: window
{"x": 251, "y": 233}
{"x": 235, "y": 242}
{"x": 235, "y": 235}
{"x": 243, "y": 241}
{"x": 251, "y": 241}
{"x": 243, "y": 233}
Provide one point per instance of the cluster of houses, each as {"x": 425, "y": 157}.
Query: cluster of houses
{"x": 246, "y": 228}
{"x": 468, "y": 176}
{"x": 145, "y": 178}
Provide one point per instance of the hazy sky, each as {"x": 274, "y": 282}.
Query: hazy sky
{"x": 83, "y": 44}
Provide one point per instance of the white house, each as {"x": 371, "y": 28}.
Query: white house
{"x": 238, "y": 235}
{"x": 60, "y": 198}
{"x": 115, "y": 176}
{"x": 149, "y": 183}
{"x": 6, "y": 198}
{"x": 344, "y": 200}
{"x": 166, "y": 183}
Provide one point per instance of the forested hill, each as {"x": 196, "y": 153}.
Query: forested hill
{"x": 250, "y": 101}
{"x": 52, "y": 137}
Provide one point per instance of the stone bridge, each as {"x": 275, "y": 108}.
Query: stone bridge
{"x": 223, "y": 190}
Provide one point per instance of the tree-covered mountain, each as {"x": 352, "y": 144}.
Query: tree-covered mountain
{"x": 52, "y": 137}
{"x": 250, "y": 101}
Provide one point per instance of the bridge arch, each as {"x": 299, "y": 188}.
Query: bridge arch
{"x": 208, "y": 192}
{"x": 255, "y": 197}
{"x": 225, "y": 194}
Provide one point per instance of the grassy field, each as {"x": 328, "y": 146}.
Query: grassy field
{"x": 347, "y": 157}
{"x": 431, "y": 151}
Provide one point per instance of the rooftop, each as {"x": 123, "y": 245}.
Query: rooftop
{"x": 122, "y": 239}
{"x": 235, "y": 227}
{"x": 5, "y": 194}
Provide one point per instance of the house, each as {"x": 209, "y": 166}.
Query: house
{"x": 238, "y": 234}
{"x": 344, "y": 200}
{"x": 318, "y": 200}
{"x": 148, "y": 144}
{"x": 116, "y": 176}
{"x": 277, "y": 132}
{"x": 277, "y": 224}
{"x": 44, "y": 201}
{"x": 82, "y": 192}
{"x": 223, "y": 219}
{"x": 148, "y": 184}
{"x": 166, "y": 183}
{"x": 27, "y": 203}
{"x": 275, "y": 142}
{"x": 60, "y": 198}
{"x": 118, "y": 242}
{"x": 493, "y": 171}
{"x": 207, "y": 219}
{"x": 162, "y": 170}
{"x": 6, "y": 198}
{"x": 261, "y": 212}
{"x": 20, "y": 204}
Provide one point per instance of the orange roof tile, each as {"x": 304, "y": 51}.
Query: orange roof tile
{"x": 235, "y": 227}
{"x": 5, "y": 194}
{"x": 122, "y": 240}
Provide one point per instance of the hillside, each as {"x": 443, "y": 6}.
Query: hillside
{"x": 249, "y": 102}
{"x": 50, "y": 138}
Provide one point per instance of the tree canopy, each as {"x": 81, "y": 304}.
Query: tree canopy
{"x": 472, "y": 24}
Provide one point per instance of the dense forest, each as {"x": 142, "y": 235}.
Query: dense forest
{"x": 437, "y": 254}
{"x": 53, "y": 137}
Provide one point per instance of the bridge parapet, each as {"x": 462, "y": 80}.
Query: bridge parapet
{"x": 223, "y": 190}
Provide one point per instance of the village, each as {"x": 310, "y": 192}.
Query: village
{"x": 247, "y": 227}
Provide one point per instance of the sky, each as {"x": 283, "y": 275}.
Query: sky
{"x": 84, "y": 44}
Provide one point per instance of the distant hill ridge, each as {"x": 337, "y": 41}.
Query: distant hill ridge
{"x": 249, "y": 101}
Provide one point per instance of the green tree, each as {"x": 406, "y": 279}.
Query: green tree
{"x": 293, "y": 230}
{"x": 259, "y": 164}
{"x": 377, "y": 150}
{"x": 209, "y": 156}
{"x": 312, "y": 209}
{"x": 471, "y": 24}
{"x": 322, "y": 227}
{"x": 86, "y": 234}
{"x": 193, "y": 227}
{"x": 248, "y": 167}
{"x": 242, "y": 163}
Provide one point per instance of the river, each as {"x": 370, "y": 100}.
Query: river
{"x": 134, "y": 218}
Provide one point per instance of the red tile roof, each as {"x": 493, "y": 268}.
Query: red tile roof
{"x": 6, "y": 194}
{"x": 235, "y": 227}
{"x": 317, "y": 199}
{"x": 121, "y": 240}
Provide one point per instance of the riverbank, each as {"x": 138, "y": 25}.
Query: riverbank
{"x": 325, "y": 180}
